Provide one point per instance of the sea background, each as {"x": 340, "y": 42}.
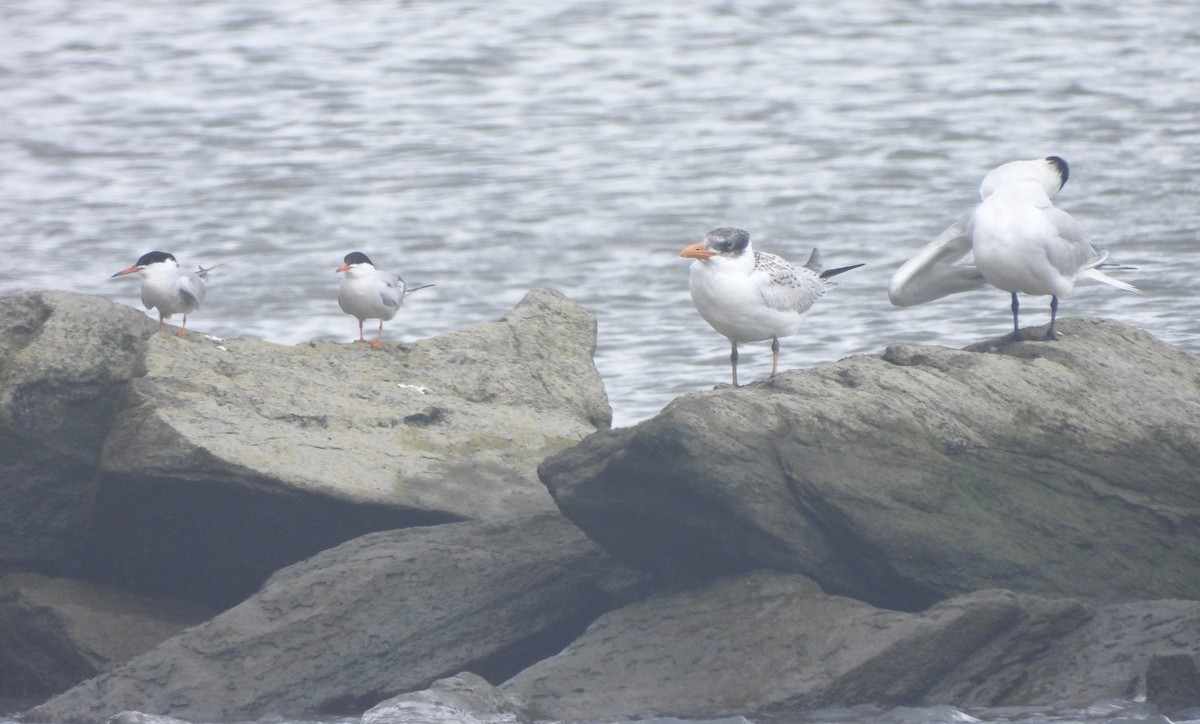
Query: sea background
{"x": 491, "y": 147}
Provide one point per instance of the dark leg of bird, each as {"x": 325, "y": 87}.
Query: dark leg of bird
{"x": 774, "y": 354}
{"x": 160, "y": 322}
{"x": 733, "y": 362}
{"x": 1053, "y": 313}
{"x": 1015, "y": 306}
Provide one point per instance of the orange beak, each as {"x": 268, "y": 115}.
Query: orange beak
{"x": 342, "y": 268}
{"x": 698, "y": 251}
{"x": 128, "y": 270}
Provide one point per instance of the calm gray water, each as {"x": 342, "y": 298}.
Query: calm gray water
{"x": 491, "y": 147}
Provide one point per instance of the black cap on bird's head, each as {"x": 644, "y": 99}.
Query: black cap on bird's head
{"x": 153, "y": 257}
{"x": 727, "y": 240}
{"x": 357, "y": 257}
{"x": 145, "y": 260}
{"x": 1060, "y": 165}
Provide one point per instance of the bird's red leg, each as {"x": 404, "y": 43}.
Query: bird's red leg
{"x": 183, "y": 328}
{"x": 160, "y": 321}
{"x": 378, "y": 343}
{"x": 361, "y": 338}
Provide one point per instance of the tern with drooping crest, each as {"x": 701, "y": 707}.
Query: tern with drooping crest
{"x": 752, "y": 296}
{"x": 168, "y": 288}
{"x": 368, "y": 293}
{"x": 1015, "y": 240}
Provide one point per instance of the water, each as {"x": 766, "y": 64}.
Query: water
{"x": 492, "y": 147}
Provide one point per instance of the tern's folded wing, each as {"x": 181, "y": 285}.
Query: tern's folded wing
{"x": 945, "y": 266}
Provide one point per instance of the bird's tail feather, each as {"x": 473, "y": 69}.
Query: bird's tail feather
{"x": 834, "y": 272}
{"x": 202, "y": 272}
{"x": 417, "y": 289}
{"x": 1096, "y": 275}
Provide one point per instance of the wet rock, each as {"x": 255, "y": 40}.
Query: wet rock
{"x": 1065, "y": 469}
{"x": 383, "y": 614}
{"x": 54, "y": 633}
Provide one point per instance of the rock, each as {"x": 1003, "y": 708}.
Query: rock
{"x": 197, "y": 467}
{"x": 773, "y": 645}
{"x": 765, "y": 642}
{"x": 1173, "y": 681}
{"x": 462, "y": 699}
{"x": 54, "y": 633}
{"x": 1066, "y": 469}
{"x": 383, "y": 614}
{"x": 1101, "y": 659}
{"x": 65, "y": 363}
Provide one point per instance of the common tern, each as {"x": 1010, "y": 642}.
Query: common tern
{"x": 368, "y": 293}
{"x": 168, "y": 288}
{"x": 1015, "y": 240}
{"x": 752, "y": 296}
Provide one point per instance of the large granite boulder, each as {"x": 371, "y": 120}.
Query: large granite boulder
{"x": 383, "y": 614}
{"x": 195, "y": 467}
{"x": 774, "y": 644}
{"x": 56, "y": 632}
{"x": 1066, "y": 468}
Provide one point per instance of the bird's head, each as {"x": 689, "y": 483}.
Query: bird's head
{"x": 725, "y": 241}
{"x": 355, "y": 261}
{"x": 150, "y": 261}
{"x": 1051, "y": 173}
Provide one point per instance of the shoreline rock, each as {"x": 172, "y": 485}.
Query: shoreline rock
{"x": 194, "y": 468}
{"x": 383, "y": 614}
{"x": 1064, "y": 469}
{"x": 1013, "y": 524}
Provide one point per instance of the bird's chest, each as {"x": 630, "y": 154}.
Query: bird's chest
{"x": 362, "y": 298}
{"x": 163, "y": 294}
{"x": 733, "y": 304}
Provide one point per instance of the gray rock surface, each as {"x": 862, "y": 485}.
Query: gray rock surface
{"x": 1067, "y": 469}
{"x": 65, "y": 363}
{"x": 55, "y": 632}
{"x": 197, "y": 467}
{"x": 1173, "y": 681}
{"x": 774, "y": 643}
{"x": 386, "y": 613}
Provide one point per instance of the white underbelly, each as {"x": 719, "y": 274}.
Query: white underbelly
{"x": 734, "y": 307}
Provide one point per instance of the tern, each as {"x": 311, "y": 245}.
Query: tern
{"x": 752, "y": 296}
{"x": 1015, "y": 240}
{"x": 168, "y": 288}
{"x": 368, "y": 293}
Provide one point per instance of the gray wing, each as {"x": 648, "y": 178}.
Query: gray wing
{"x": 192, "y": 288}
{"x": 945, "y": 266}
{"x": 1071, "y": 250}
{"x": 391, "y": 289}
{"x": 785, "y": 287}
